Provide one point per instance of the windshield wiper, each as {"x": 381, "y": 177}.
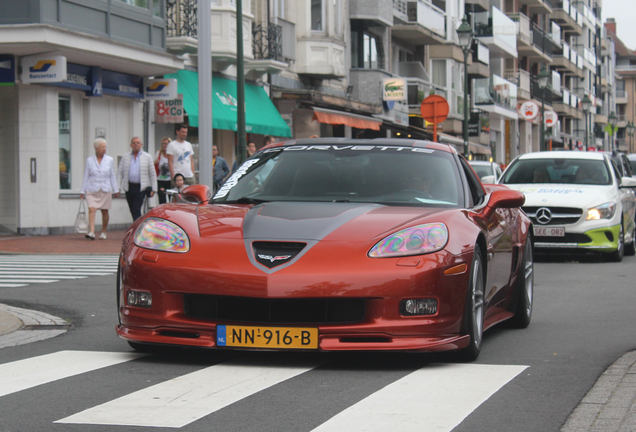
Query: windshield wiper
{"x": 248, "y": 200}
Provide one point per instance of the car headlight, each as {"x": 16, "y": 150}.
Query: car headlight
{"x": 417, "y": 240}
{"x": 604, "y": 211}
{"x": 160, "y": 234}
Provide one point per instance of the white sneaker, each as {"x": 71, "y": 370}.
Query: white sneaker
{"x": 102, "y": 236}
{"x": 90, "y": 235}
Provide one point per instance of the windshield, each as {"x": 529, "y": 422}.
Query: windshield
{"x": 482, "y": 170}
{"x": 558, "y": 171}
{"x": 388, "y": 175}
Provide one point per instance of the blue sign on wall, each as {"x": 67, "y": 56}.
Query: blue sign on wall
{"x": 98, "y": 82}
{"x": 7, "y": 70}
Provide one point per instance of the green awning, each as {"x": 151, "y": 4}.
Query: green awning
{"x": 261, "y": 116}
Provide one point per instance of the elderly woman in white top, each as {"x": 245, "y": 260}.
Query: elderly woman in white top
{"x": 98, "y": 186}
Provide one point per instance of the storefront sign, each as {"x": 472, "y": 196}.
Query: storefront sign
{"x": 43, "y": 69}
{"x": 401, "y": 112}
{"x": 169, "y": 111}
{"x": 7, "y": 70}
{"x": 394, "y": 89}
{"x": 160, "y": 89}
{"x": 529, "y": 110}
{"x": 551, "y": 118}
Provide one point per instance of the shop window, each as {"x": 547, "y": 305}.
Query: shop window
{"x": 64, "y": 109}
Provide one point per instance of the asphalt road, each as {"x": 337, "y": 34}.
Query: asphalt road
{"x": 524, "y": 380}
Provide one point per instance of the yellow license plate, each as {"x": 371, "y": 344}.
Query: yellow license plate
{"x": 267, "y": 337}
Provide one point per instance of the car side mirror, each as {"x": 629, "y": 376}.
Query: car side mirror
{"x": 628, "y": 182}
{"x": 489, "y": 179}
{"x": 504, "y": 198}
{"x": 196, "y": 194}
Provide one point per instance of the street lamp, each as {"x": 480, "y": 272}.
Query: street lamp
{"x": 613, "y": 121}
{"x": 542, "y": 81}
{"x": 465, "y": 35}
{"x": 587, "y": 105}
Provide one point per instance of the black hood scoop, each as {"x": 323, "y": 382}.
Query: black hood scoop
{"x": 272, "y": 254}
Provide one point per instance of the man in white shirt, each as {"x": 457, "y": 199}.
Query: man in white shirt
{"x": 181, "y": 156}
{"x": 137, "y": 177}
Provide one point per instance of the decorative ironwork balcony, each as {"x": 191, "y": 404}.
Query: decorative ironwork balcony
{"x": 267, "y": 41}
{"x": 181, "y": 18}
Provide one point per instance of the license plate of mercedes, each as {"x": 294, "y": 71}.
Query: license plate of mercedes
{"x": 549, "y": 232}
{"x": 267, "y": 337}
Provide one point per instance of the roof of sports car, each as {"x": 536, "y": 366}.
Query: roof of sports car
{"x": 367, "y": 142}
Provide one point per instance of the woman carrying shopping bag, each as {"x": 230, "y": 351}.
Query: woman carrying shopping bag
{"x": 98, "y": 186}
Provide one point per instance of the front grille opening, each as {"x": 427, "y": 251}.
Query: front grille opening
{"x": 283, "y": 311}
{"x": 609, "y": 235}
{"x": 369, "y": 339}
{"x": 177, "y": 334}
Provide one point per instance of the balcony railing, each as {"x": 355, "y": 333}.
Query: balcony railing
{"x": 524, "y": 29}
{"x": 621, "y": 93}
{"x": 428, "y": 16}
{"x": 267, "y": 43}
{"x": 181, "y": 18}
{"x": 496, "y": 24}
{"x": 543, "y": 40}
{"x": 589, "y": 56}
{"x": 495, "y": 91}
{"x": 555, "y": 34}
{"x": 539, "y": 93}
{"x": 556, "y": 82}
{"x": 419, "y": 89}
{"x": 521, "y": 79}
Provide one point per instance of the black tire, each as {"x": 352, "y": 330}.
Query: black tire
{"x": 117, "y": 288}
{"x": 474, "y": 311}
{"x": 630, "y": 248}
{"x": 617, "y": 255}
{"x": 524, "y": 288}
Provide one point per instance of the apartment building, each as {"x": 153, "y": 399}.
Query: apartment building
{"x": 625, "y": 91}
{"x": 50, "y": 116}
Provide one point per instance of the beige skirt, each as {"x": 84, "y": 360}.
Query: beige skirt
{"x": 99, "y": 200}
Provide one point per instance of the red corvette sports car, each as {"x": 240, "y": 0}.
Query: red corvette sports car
{"x": 331, "y": 244}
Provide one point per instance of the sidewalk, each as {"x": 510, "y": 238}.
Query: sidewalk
{"x": 61, "y": 244}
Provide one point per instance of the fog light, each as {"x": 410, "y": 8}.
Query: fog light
{"x": 418, "y": 307}
{"x": 139, "y": 299}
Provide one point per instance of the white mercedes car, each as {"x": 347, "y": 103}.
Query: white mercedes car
{"x": 576, "y": 201}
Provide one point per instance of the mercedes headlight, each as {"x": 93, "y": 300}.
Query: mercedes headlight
{"x": 162, "y": 235}
{"x": 604, "y": 211}
{"x": 417, "y": 240}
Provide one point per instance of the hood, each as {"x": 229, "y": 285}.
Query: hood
{"x": 271, "y": 232}
{"x": 565, "y": 195}
{"x": 294, "y": 221}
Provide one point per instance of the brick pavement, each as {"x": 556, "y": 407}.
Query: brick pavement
{"x": 61, "y": 244}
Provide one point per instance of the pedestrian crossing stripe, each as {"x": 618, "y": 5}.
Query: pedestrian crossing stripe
{"x": 183, "y": 400}
{"x": 437, "y": 396}
{"x": 21, "y": 270}
{"x": 442, "y": 395}
{"x": 24, "y": 374}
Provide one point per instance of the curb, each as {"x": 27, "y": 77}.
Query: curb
{"x": 611, "y": 404}
{"x": 21, "y": 326}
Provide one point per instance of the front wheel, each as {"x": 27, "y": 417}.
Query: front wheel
{"x": 630, "y": 248}
{"x": 524, "y": 288}
{"x": 474, "y": 312}
{"x": 617, "y": 255}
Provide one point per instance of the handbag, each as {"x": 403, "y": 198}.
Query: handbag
{"x": 81, "y": 220}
